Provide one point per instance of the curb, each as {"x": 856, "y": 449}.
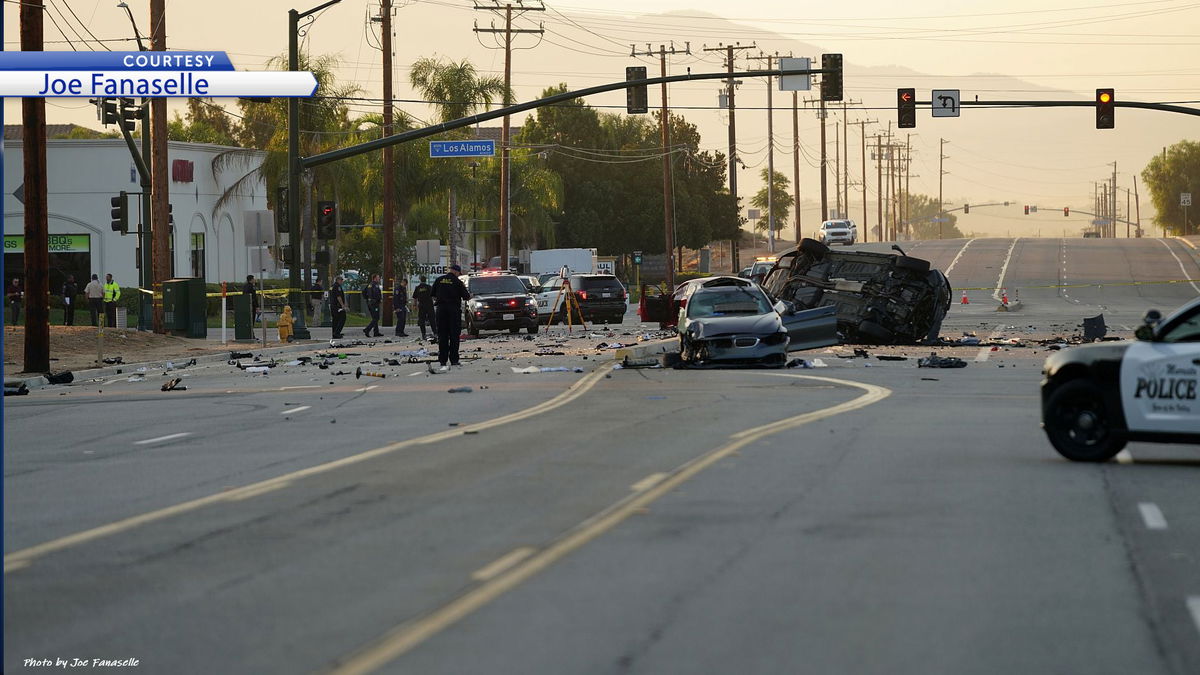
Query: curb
{"x": 1010, "y": 307}
{"x": 646, "y": 350}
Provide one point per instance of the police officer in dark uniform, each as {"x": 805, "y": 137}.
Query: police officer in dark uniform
{"x": 448, "y": 293}
{"x": 337, "y": 306}
{"x": 423, "y": 296}
{"x": 373, "y": 295}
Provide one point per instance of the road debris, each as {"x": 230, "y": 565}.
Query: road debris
{"x": 176, "y": 384}
{"x": 935, "y": 361}
{"x": 459, "y": 390}
{"x": 359, "y": 372}
{"x": 17, "y": 389}
{"x": 1094, "y": 328}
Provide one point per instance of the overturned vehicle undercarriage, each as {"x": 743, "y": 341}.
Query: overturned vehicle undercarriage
{"x": 880, "y": 298}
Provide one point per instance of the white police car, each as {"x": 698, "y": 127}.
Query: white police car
{"x": 1097, "y": 397}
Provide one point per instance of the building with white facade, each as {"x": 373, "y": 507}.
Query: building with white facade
{"x": 83, "y": 175}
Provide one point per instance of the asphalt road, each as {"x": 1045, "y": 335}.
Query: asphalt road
{"x": 847, "y": 519}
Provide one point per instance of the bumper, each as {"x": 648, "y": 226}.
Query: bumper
{"x": 488, "y": 320}
{"x": 604, "y": 309}
{"x": 837, "y": 239}
{"x": 745, "y": 349}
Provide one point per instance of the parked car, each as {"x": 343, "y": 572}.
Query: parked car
{"x": 531, "y": 282}
{"x": 499, "y": 301}
{"x": 1097, "y": 397}
{"x": 838, "y": 232}
{"x": 726, "y": 321}
{"x": 880, "y": 298}
{"x": 601, "y": 298}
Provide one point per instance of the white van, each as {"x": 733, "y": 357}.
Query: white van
{"x": 838, "y": 232}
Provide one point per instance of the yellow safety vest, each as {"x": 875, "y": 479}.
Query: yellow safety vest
{"x": 112, "y": 292}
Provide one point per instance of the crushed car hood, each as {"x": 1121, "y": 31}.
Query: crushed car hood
{"x": 750, "y": 324}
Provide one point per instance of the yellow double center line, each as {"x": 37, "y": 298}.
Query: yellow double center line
{"x": 21, "y": 559}
{"x": 412, "y": 633}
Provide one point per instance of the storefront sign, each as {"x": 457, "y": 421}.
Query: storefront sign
{"x": 59, "y": 243}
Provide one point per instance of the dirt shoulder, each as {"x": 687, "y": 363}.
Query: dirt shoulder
{"x": 75, "y": 347}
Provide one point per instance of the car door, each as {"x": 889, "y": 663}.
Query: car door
{"x": 811, "y": 328}
{"x": 549, "y": 294}
{"x": 1160, "y": 379}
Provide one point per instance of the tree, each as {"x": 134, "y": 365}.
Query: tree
{"x": 922, "y": 209}
{"x": 782, "y": 201}
{"x": 1167, "y": 176}
{"x": 204, "y": 122}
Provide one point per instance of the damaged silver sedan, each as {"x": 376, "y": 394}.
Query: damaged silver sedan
{"x": 880, "y": 298}
{"x": 730, "y": 321}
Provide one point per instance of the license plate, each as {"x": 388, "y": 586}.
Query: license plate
{"x": 509, "y": 317}
{"x": 606, "y": 295}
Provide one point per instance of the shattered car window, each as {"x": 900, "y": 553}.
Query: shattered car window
{"x": 727, "y": 303}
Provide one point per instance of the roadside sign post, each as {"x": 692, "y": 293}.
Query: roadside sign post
{"x": 224, "y": 291}
{"x": 1185, "y": 200}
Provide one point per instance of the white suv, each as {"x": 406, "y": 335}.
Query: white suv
{"x": 838, "y": 232}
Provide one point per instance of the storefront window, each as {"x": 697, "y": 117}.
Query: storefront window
{"x": 197, "y": 254}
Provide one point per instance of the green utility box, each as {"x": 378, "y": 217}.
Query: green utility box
{"x": 243, "y": 317}
{"x": 185, "y": 307}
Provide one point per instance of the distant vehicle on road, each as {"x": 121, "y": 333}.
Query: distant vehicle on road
{"x": 838, "y": 232}
{"x": 601, "y": 298}
{"x": 551, "y": 261}
{"x": 1097, "y": 397}
{"x": 499, "y": 301}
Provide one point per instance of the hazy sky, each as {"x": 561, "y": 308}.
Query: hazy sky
{"x": 1021, "y": 49}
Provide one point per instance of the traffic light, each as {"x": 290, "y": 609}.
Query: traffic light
{"x": 106, "y": 110}
{"x": 281, "y": 204}
{"x": 1106, "y": 109}
{"x": 1026, "y": 209}
{"x": 966, "y": 208}
{"x": 637, "y": 257}
{"x": 906, "y": 108}
{"x": 120, "y": 212}
{"x": 635, "y": 97}
{"x": 326, "y": 220}
{"x": 831, "y": 77}
{"x": 1067, "y": 211}
{"x": 130, "y": 113}
{"x": 170, "y": 215}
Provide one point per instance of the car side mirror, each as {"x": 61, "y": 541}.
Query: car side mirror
{"x": 1145, "y": 332}
{"x": 1152, "y": 317}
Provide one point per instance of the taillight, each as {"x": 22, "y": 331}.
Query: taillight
{"x": 582, "y": 295}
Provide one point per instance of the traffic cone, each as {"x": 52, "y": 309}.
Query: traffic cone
{"x": 965, "y": 301}
{"x": 1004, "y": 296}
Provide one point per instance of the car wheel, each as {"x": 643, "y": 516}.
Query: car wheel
{"x": 1079, "y": 425}
{"x": 912, "y": 264}
{"x": 870, "y": 332}
{"x": 514, "y": 330}
{"x": 813, "y": 248}
{"x": 532, "y": 330}
{"x": 619, "y": 318}
{"x": 472, "y": 329}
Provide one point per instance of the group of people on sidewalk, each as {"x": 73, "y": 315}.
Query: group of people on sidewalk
{"x": 100, "y": 298}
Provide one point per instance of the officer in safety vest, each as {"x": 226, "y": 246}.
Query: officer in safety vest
{"x": 112, "y": 293}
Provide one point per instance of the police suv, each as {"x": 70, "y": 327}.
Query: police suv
{"x": 499, "y": 301}
{"x": 1096, "y": 397}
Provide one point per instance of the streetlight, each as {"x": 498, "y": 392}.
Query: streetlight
{"x": 141, "y": 47}
{"x": 474, "y": 218}
{"x": 295, "y": 298}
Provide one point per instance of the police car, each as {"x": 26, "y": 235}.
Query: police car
{"x": 1097, "y": 397}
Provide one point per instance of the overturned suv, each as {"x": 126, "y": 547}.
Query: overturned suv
{"x": 880, "y": 298}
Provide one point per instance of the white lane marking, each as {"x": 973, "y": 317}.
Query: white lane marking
{"x": 648, "y": 482}
{"x": 986, "y": 352}
{"x": 1123, "y": 457}
{"x": 295, "y": 410}
{"x": 1193, "y": 603}
{"x": 1153, "y": 516}
{"x": 301, "y": 386}
{"x": 414, "y": 374}
{"x": 1180, "y": 262}
{"x": 501, "y": 565}
{"x": 954, "y": 262}
{"x": 168, "y": 437}
{"x": 1004, "y": 270}
{"x": 367, "y": 388}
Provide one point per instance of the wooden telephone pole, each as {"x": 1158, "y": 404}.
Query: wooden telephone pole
{"x": 733, "y": 158}
{"x": 37, "y": 239}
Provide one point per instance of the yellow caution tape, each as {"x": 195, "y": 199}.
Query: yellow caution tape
{"x": 1093, "y": 285}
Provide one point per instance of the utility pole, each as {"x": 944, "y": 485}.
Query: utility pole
{"x": 505, "y": 170}
{"x": 879, "y": 183}
{"x": 837, "y": 171}
{"x": 665, "y": 124}
{"x": 1137, "y": 202}
{"x": 159, "y": 185}
{"x": 770, "y": 155}
{"x": 37, "y": 238}
{"x": 866, "y": 228}
{"x": 731, "y": 85}
{"x": 1113, "y": 197}
{"x": 906, "y": 205}
{"x": 796, "y": 160}
{"x": 389, "y": 226}
{"x": 941, "y": 172}
{"x": 845, "y": 160}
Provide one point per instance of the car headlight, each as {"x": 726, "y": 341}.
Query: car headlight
{"x": 477, "y": 304}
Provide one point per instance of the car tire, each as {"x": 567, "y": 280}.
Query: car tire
{"x": 1078, "y": 423}
{"x": 870, "y": 332}
{"x": 472, "y": 329}
{"x": 532, "y": 330}
{"x": 912, "y": 264}
{"x": 813, "y": 248}
{"x": 514, "y": 330}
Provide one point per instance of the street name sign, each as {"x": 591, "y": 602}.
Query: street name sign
{"x": 794, "y": 82}
{"x": 475, "y": 148}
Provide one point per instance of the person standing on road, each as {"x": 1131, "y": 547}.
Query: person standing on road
{"x": 95, "y": 297}
{"x": 15, "y": 295}
{"x": 373, "y": 296}
{"x": 423, "y": 296}
{"x": 337, "y": 306}
{"x": 400, "y": 306}
{"x": 449, "y": 292}
{"x": 70, "y": 289}
{"x": 112, "y": 293}
{"x": 249, "y": 290}
{"x": 318, "y": 296}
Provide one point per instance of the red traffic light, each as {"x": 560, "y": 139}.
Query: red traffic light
{"x": 1026, "y": 209}
{"x": 1067, "y": 211}
{"x": 326, "y": 210}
